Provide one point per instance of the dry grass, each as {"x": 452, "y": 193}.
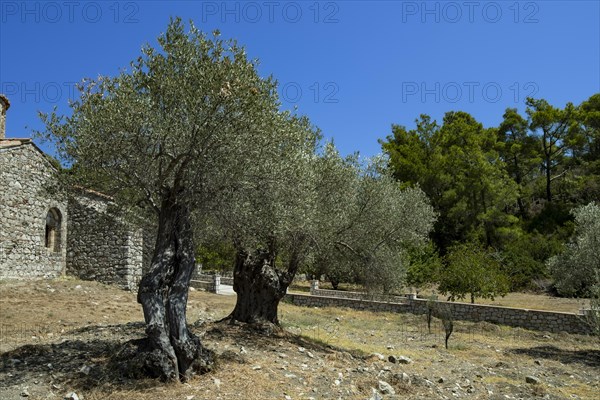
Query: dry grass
{"x": 532, "y": 301}
{"x": 538, "y": 302}
{"x": 71, "y": 323}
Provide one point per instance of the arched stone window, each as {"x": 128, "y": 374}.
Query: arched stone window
{"x": 53, "y": 223}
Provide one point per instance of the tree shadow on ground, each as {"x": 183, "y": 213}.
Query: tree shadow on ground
{"x": 96, "y": 357}
{"x": 261, "y": 335}
{"x": 588, "y": 357}
{"x": 81, "y": 360}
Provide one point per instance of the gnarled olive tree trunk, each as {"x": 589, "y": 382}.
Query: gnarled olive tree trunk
{"x": 260, "y": 286}
{"x": 174, "y": 353}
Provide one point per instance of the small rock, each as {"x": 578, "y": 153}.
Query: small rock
{"x": 287, "y": 397}
{"x": 532, "y": 379}
{"x": 375, "y": 395}
{"x": 390, "y": 347}
{"x": 386, "y": 388}
{"x": 24, "y": 393}
{"x": 243, "y": 350}
{"x": 392, "y": 359}
{"x": 256, "y": 367}
{"x": 85, "y": 369}
{"x": 404, "y": 360}
{"x": 538, "y": 362}
{"x": 379, "y": 356}
{"x": 72, "y": 396}
{"x": 217, "y": 383}
{"x": 301, "y": 349}
{"x": 441, "y": 380}
{"x": 403, "y": 377}
{"x": 308, "y": 353}
{"x": 192, "y": 396}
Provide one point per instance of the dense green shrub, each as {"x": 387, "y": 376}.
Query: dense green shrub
{"x": 575, "y": 270}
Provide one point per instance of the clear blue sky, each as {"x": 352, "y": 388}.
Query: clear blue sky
{"x": 354, "y": 67}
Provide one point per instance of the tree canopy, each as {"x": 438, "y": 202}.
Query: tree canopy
{"x": 508, "y": 188}
{"x": 186, "y": 123}
{"x": 367, "y": 223}
{"x": 577, "y": 269}
{"x": 474, "y": 271}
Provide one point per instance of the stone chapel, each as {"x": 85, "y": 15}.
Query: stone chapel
{"x": 46, "y": 231}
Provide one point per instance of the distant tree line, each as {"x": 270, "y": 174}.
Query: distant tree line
{"x": 507, "y": 191}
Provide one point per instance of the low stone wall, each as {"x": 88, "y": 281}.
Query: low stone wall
{"x": 516, "y": 317}
{"x": 358, "y": 295}
{"x": 208, "y": 286}
{"x": 538, "y": 320}
{"x": 225, "y": 280}
{"x": 210, "y": 283}
{"x": 322, "y": 301}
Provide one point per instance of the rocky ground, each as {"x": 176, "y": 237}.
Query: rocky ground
{"x": 59, "y": 339}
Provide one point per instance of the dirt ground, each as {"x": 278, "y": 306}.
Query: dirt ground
{"x": 58, "y": 337}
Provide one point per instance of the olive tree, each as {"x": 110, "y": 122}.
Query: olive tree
{"x": 336, "y": 189}
{"x": 269, "y": 219}
{"x": 576, "y": 270}
{"x": 166, "y": 136}
{"x": 391, "y": 220}
{"x": 593, "y": 317}
{"x": 304, "y": 205}
{"x": 367, "y": 222}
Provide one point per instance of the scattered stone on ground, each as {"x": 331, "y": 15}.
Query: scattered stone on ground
{"x": 73, "y": 359}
